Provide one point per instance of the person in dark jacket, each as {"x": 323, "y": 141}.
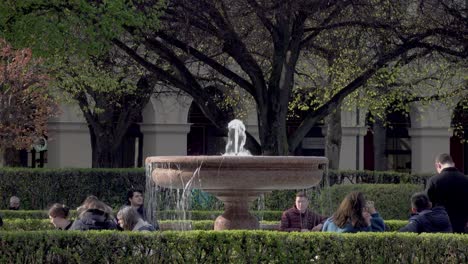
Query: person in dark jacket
{"x": 130, "y": 220}
{"x": 95, "y": 215}
{"x": 427, "y": 219}
{"x": 1, "y": 221}
{"x": 450, "y": 189}
{"x": 136, "y": 200}
{"x": 300, "y": 218}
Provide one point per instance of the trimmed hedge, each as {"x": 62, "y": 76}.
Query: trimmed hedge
{"x": 230, "y": 247}
{"x": 384, "y": 177}
{"x": 392, "y": 201}
{"x": 38, "y": 188}
{"x": 162, "y": 215}
{"x": 44, "y": 224}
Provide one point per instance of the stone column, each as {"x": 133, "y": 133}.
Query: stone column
{"x": 164, "y": 139}
{"x": 68, "y": 145}
{"x": 165, "y": 126}
{"x": 430, "y": 135}
{"x": 352, "y": 140}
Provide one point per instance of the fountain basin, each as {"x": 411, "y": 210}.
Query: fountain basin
{"x": 237, "y": 180}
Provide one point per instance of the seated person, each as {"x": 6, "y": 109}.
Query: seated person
{"x": 300, "y": 218}
{"x": 130, "y": 220}
{"x": 426, "y": 219}
{"x": 136, "y": 200}
{"x": 58, "y": 215}
{"x": 354, "y": 215}
{"x": 14, "y": 203}
{"x": 94, "y": 215}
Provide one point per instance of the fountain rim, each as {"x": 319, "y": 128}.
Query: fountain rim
{"x": 272, "y": 161}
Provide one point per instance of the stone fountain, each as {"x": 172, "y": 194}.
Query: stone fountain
{"x": 235, "y": 178}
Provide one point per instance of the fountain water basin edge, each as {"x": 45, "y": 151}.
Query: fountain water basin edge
{"x": 237, "y": 180}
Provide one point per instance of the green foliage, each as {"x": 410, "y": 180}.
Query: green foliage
{"x": 44, "y": 224}
{"x": 230, "y": 247}
{"x": 82, "y": 27}
{"x": 365, "y": 176}
{"x": 392, "y": 201}
{"x": 39, "y": 188}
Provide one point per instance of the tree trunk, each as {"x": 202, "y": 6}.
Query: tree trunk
{"x": 2, "y": 158}
{"x": 273, "y": 134}
{"x": 104, "y": 149}
{"x": 333, "y": 138}
{"x": 11, "y": 157}
{"x": 380, "y": 139}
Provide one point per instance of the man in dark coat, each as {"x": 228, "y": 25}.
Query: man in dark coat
{"x": 300, "y": 218}
{"x": 450, "y": 189}
{"x": 135, "y": 199}
{"x": 425, "y": 218}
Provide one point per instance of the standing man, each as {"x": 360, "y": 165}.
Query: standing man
{"x": 300, "y": 218}
{"x": 450, "y": 189}
{"x": 135, "y": 199}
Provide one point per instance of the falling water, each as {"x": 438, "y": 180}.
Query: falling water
{"x": 236, "y": 139}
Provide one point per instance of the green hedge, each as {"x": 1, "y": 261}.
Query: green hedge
{"x": 384, "y": 177}
{"x": 38, "y": 188}
{"x": 391, "y": 200}
{"x": 162, "y": 215}
{"x": 44, "y": 224}
{"x": 230, "y": 247}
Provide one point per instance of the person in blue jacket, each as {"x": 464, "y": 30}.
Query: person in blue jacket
{"x": 427, "y": 219}
{"x": 354, "y": 215}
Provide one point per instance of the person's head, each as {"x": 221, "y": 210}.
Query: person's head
{"x": 58, "y": 215}
{"x": 93, "y": 203}
{"x": 84, "y": 206}
{"x": 135, "y": 198}
{"x": 419, "y": 202}
{"x": 128, "y": 217}
{"x": 351, "y": 210}
{"x": 14, "y": 202}
{"x": 443, "y": 161}
{"x": 301, "y": 202}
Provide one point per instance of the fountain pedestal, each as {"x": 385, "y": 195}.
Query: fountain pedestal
{"x": 236, "y": 210}
{"x": 236, "y": 180}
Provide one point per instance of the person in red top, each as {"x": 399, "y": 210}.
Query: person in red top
{"x": 300, "y": 218}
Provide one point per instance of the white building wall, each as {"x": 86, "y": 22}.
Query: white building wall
{"x": 69, "y": 142}
{"x": 352, "y": 140}
{"x": 430, "y": 135}
{"x": 165, "y": 126}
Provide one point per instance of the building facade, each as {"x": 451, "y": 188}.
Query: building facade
{"x": 175, "y": 126}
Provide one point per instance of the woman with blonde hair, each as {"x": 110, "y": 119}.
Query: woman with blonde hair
{"x": 355, "y": 215}
{"x": 130, "y": 220}
{"x": 94, "y": 214}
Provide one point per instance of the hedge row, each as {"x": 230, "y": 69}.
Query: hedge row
{"x": 384, "y": 177}
{"x": 162, "y": 215}
{"x": 391, "y": 200}
{"x": 230, "y": 247}
{"x": 43, "y": 224}
{"x": 38, "y": 188}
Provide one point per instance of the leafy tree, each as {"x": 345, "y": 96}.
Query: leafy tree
{"x": 25, "y": 103}
{"x": 257, "y": 45}
{"x": 74, "y": 37}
